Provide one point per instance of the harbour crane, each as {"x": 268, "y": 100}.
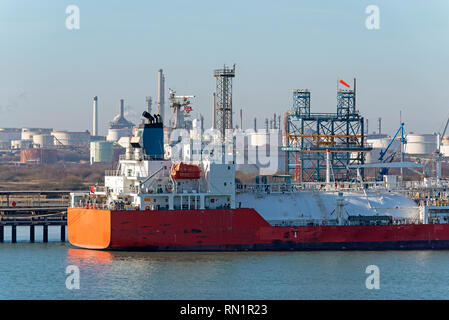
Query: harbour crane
{"x": 390, "y": 158}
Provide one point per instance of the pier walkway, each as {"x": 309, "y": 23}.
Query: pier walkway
{"x": 33, "y": 208}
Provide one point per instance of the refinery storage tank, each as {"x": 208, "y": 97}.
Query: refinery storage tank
{"x": 28, "y": 133}
{"x": 101, "y": 151}
{"x": 120, "y": 127}
{"x": 421, "y": 144}
{"x": 73, "y": 139}
{"x": 21, "y": 144}
{"x": 114, "y": 134}
{"x": 444, "y": 149}
{"x": 38, "y": 156}
{"x": 43, "y": 141}
{"x": 445, "y": 140}
{"x": 378, "y": 145}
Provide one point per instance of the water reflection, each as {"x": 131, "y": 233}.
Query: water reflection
{"x": 82, "y": 256}
{"x": 32, "y": 271}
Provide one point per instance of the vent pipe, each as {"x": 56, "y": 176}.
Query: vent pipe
{"x": 122, "y": 108}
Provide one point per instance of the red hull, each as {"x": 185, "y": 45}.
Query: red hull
{"x": 236, "y": 229}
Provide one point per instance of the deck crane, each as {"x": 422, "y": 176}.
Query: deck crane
{"x": 181, "y": 109}
{"x": 384, "y": 171}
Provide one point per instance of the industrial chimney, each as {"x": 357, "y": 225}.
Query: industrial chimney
{"x": 95, "y": 118}
{"x": 149, "y": 103}
{"x": 122, "y": 108}
{"x": 160, "y": 94}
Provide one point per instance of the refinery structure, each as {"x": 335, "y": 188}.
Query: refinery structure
{"x": 307, "y": 145}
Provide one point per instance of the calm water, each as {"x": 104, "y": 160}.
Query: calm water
{"x": 37, "y": 271}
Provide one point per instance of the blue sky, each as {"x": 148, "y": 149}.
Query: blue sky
{"x": 49, "y": 74}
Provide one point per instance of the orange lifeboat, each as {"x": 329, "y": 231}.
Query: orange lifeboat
{"x": 185, "y": 171}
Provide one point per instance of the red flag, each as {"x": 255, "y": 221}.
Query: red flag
{"x": 345, "y": 84}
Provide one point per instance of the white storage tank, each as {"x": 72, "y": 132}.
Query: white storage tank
{"x": 115, "y": 134}
{"x": 21, "y": 144}
{"x": 445, "y": 140}
{"x": 75, "y": 139}
{"x": 444, "y": 149}
{"x": 420, "y": 144}
{"x": 378, "y": 145}
{"x": 28, "y": 133}
{"x": 101, "y": 151}
{"x": 43, "y": 141}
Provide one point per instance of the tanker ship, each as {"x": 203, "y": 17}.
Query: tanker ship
{"x": 151, "y": 203}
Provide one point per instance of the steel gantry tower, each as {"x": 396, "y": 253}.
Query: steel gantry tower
{"x": 310, "y": 136}
{"x": 223, "y": 109}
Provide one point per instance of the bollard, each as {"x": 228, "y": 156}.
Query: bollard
{"x": 32, "y": 233}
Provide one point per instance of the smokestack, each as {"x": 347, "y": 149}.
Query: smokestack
{"x": 266, "y": 124}
{"x": 274, "y": 121}
{"x": 380, "y": 126}
{"x": 279, "y": 122}
{"x": 255, "y": 124}
{"x": 122, "y": 108}
{"x": 214, "y": 105}
{"x": 367, "y": 128}
{"x": 241, "y": 119}
{"x": 95, "y": 118}
{"x": 160, "y": 94}
{"x": 149, "y": 103}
